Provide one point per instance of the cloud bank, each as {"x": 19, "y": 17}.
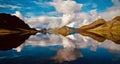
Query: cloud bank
{"x": 68, "y": 12}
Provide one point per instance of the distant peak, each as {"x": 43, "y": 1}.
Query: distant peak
{"x": 19, "y": 15}
{"x": 116, "y": 18}
{"x": 100, "y": 19}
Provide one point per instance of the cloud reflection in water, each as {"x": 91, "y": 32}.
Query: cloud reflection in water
{"x": 71, "y": 45}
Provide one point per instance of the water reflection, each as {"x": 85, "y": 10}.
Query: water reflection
{"x": 67, "y": 54}
{"x": 71, "y": 44}
{"x": 54, "y": 48}
{"x": 8, "y": 42}
{"x": 104, "y": 35}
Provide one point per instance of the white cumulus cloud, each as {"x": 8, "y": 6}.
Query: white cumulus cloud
{"x": 66, "y": 6}
{"x": 70, "y": 15}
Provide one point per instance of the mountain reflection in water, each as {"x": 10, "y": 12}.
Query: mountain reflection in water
{"x": 8, "y": 42}
{"x": 54, "y": 49}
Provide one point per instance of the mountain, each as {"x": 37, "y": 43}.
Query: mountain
{"x": 8, "y": 21}
{"x": 114, "y": 24}
{"x": 111, "y": 25}
{"x": 93, "y": 25}
{"x": 109, "y": 30}
{"x": 12, "y": 24}
{"x": 63, "y": 31}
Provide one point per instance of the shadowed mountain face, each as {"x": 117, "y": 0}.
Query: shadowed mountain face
{"x": 10, "y": 22}
{"x": 101, "y": 30}
{"x": 8, "y": 42}
{"x": 13, "y": 31}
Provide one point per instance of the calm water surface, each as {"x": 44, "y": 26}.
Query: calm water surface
{"x": 57, "y": 49}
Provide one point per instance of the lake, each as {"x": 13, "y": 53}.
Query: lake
{"x": 57, "y": 49}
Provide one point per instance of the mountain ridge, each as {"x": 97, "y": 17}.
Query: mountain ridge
{"x": 109, "y": 30}
{"x": 10, "y": 24}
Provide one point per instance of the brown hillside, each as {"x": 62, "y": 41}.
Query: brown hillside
{"x": 63, "y": 31}
{"x": 93, "y": 25}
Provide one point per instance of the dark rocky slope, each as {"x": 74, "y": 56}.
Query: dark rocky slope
{"x": 10, "y": 24}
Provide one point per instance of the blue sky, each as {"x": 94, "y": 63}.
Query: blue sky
{"x": 100, "y": 5}
{"x": 61, "y": 12}
{"x": 38, "y": 7}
